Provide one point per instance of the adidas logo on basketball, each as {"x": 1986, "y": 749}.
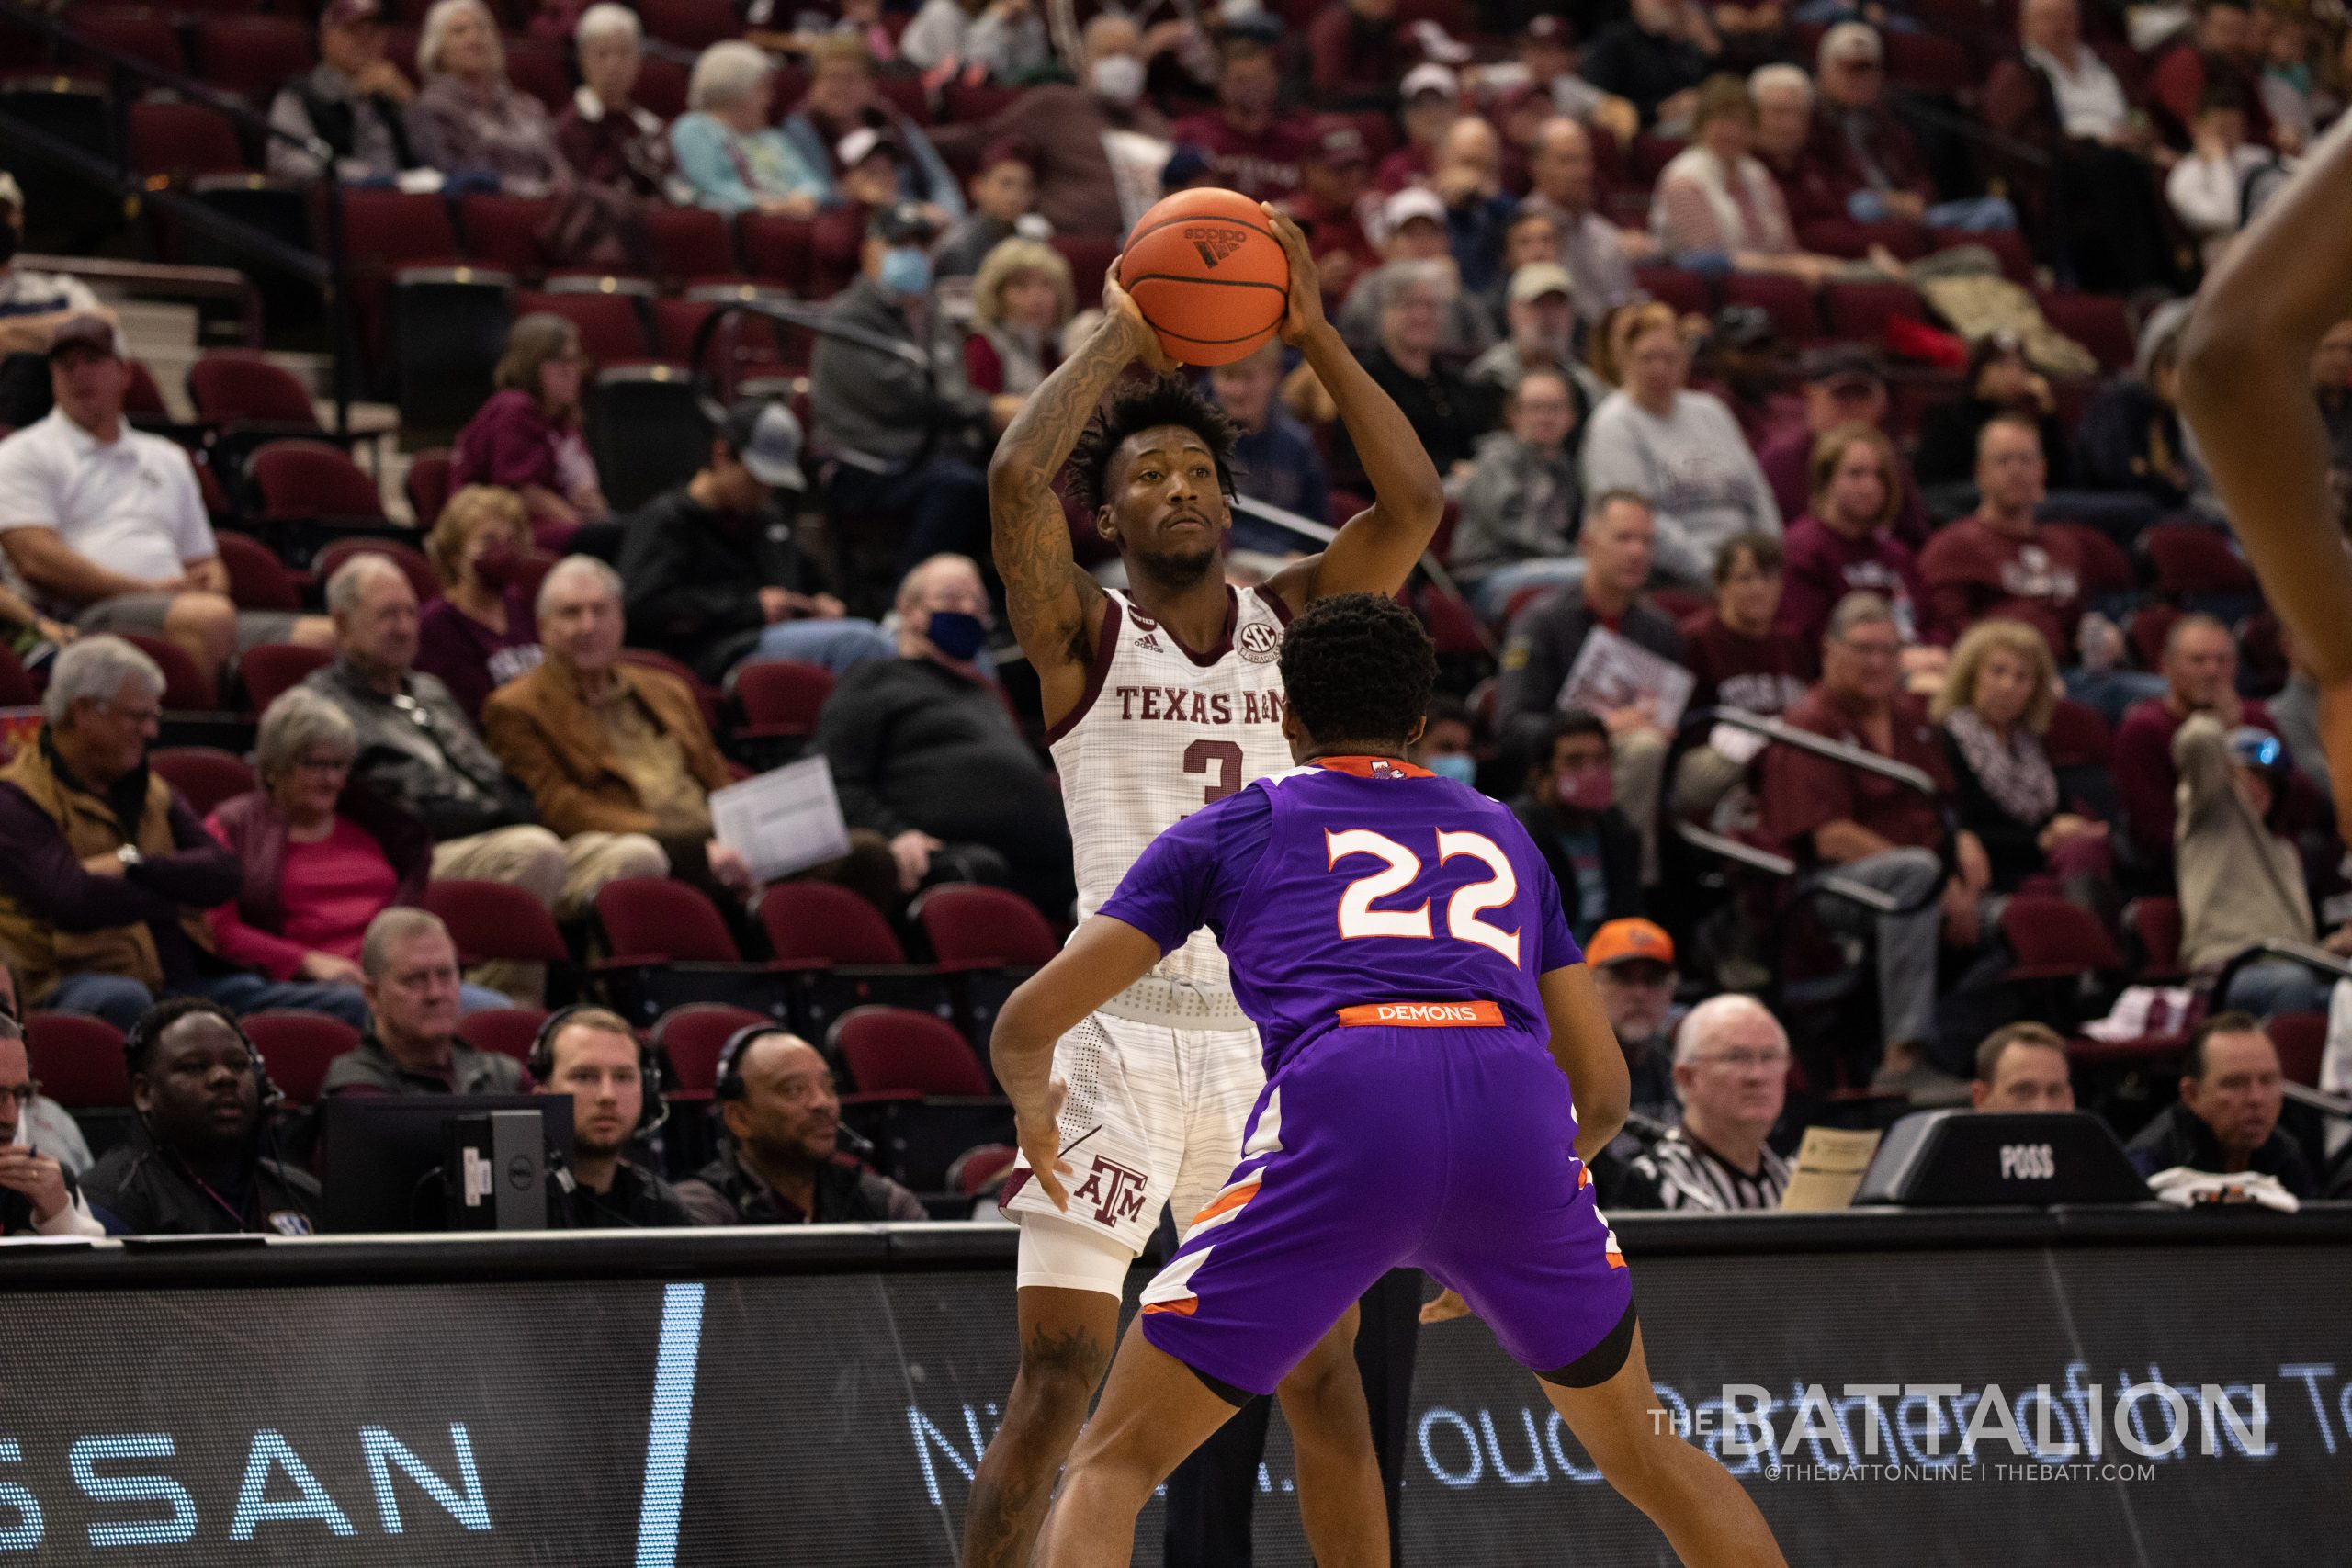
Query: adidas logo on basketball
{"x": 1214, "y": 244}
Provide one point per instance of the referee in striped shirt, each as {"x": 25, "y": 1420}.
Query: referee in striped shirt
{"x": 1731, "y": 1069}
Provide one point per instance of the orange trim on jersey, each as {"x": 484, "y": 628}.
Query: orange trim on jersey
{"x": 1373, "y": 767}
{"x": 1184, "y": 1308}
{"x": 1616, "y": 1260}
{"x": 1226, "y": 1202}
{"x": 1422, "y": 1015}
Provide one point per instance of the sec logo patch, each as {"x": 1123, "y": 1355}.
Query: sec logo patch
{"x": 1258, "y": 643}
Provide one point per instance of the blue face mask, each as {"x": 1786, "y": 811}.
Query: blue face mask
{"x": 906, "y": 271}
{"x": 956, "y": 633}
{"x": 1459, "y": 766}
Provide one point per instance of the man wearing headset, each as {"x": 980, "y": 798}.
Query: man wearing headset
{"x": 195, "y": 1166}
{"x": 779, "y": 1164}
{"x": 594, "y": 1056}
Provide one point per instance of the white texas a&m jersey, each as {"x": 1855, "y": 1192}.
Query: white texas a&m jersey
{"x": 1159, "y": 734}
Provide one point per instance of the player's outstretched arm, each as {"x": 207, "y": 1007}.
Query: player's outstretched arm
{"x": 1104, "y": 957}
{"x": 1586, "y": 1049}
{"x": 1377, "y": 549}
{"x": 1050, "y": 602}
{"x": 2245, "y": 387}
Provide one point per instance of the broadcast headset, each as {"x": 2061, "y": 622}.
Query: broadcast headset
{"x": 728, "y": 1081}
{"x": 650, "y": 1066}
{"x": 141, "y": 1034}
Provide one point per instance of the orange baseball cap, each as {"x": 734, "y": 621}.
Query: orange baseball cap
{"x": 1622, "y": 939}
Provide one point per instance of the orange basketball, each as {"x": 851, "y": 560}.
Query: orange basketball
{"x": 1208, "y": 275}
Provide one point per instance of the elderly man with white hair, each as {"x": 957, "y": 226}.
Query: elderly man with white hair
{"x": 1731, "y": 1071}
{"x": 416, "y": 751}
{"x": 610, "y": 748}
{"x": 730, "y": 157}
{"x": 604, "y": 134}
{"x": 105, "y": 869}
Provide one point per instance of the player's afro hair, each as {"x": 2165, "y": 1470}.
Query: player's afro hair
{"x": 1146, "y": 405}
{"x": 1358, "y": 667}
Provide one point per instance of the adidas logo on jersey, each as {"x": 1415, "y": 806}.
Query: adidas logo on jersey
{"x": 1214, "y": 244}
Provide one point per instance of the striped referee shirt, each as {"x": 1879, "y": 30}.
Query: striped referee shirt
{"x": 1680, "y": 1172}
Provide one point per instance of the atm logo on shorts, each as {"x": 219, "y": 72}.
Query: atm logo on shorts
{"x": 1116, "y": 1191}
{"x": 1214, "y": 244}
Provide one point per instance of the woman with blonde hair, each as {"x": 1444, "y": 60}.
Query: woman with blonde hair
{"x": 1681, "y": 450}
{"x": 1996, "y": 702}
{"x": 1021, "y": 301}
{"x": 481, "y": 633}
{"x": 527, "y": 437}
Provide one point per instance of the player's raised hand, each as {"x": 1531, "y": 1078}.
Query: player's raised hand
{"x": 1041, "y": 1145}
{"x": 1120, "y": 306}
{"x": 1448, "y": 1306}
{"x": 1305, "y": 312}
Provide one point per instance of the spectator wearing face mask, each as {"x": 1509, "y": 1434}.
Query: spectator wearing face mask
{"x": 481, "y": 633}
{"x": 1569, "y": 809}
{"x": 1447, "y": 737}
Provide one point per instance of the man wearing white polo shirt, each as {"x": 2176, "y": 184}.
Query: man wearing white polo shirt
{"x": 105, "y": 524}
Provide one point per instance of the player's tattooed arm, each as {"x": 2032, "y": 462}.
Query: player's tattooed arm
{"x": 1376, "y": 549}
{"x": 1052, "y": 604}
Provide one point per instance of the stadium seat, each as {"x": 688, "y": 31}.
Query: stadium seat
{"x": 668, "y": 946}
{"x": 1687, "y": 292}
{"x": 1090, "y": 257}
{"x": 2301, "y": 1040}
{"x": 507, "y": 1031}
{"x": 2097, "y": 322}
{"x": 135, "y": 30}
{"x": 412, "y": 562}
{"x": 611, "y": 331}
{"x": 818, "y": 922}
{"x": 427, "y": 485}
{"x": 385, "y": 232}
{"x": 661, "y": 87}
{"x": 143, "y": 400}
{"x": 78, "y": 1060}
{"x": 1788, "y": 302}
{"x": 504, "y": 230}
{"x": 203, "y": 775}
{"x": 187, "y": 687}
{"x": 536, "y": 66}
{"x": 257, "y": 579}
{"x": 306, "y": 480}
{"x": 253, "y": 56}
{"x": 907, "y": 93}
{"x": 896, "y": 1051}
{"x": 2077, "y": 737}
{"x": 781, "y": 697}
{"x": 970, "y": 922}
{"x": 297, "y": 1046}
{"x": 779, "y": 250}
{"x": 1859, "y": 310}
{"x": 272, "y": 669}
{"x": 648, "y": 429}
{"x": 691, "y": 23}
{"x": 2192, "y": 560}
{"x": 495, "y": 922}
{"x": 2155, "y": 921}
{"x": 691, "y": 244}
{"x": 448, "y": 326}
{"x": 239, "y": 386}
{"x": 179, "y": 141}
{"x": 690, "y": 1039}
{"x": 1925, "y": 63}
{"x": 977, "y": 1170}
{"x": 16, "y": 688}
{"x": 2055, "y": 939}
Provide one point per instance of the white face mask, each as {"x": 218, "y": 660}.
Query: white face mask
{"x": 1116, "y": 78}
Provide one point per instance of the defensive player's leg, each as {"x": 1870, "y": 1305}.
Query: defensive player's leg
{"x": 1155, "y": 1410}
{"x": 1706, "y": 1516}
{"x": 1068, "y": 1331}
{"x": 1340, "y": 1497}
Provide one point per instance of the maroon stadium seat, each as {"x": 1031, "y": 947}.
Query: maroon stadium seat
{"x": 898, "y": 1051}
{"x": 504, "y": 230}
{"x": 135, "y": 30}
{"x": 78, "y": 1060}
{"x": 257, "y": 579}
{"x": 2097, "y": 322}
{"x": 204, "y": 776}
{"x": 691, "y": 23}
{"x": 661, "y": 87}
{"x": 651, "y": 918}
{"x": 507, "y": 1031}
{"x": 691, "y": 244}
{"x": 2155, "y": 921}
{"x": 427, "y": 485}
{"x": 16, "y": 688}
{"x": 2301, "y": 1040}
{"x": 818, "y": 921}
{"x": 1788, "y": 302}
{"x": 1687, "y": 292}
{"x": 1859, "y": 310}
{"x": 536, "y": 66}
{"x": 235, "y": 386}
{"x": 297, "y": 1046}
{"x": 611, "y": 332}
{"x": 273, "y": 668}
{"x": 412, "y": 564}
{"x": 690, "y": 1038}
{"x": 2079, "y": 737}
{"x": 1090, "y": 257}
{"x": 646, "y": 658}
{"x": 187, "y": 688}
{"x": 2191, "y": 559}
{"x": 303, "y": 480}
{"x": 781, "y": 696}
{"x": 2053, "y": 939}
{"x": 183, "y": 141}
{"x": 253, "y": 56}
{"x": 969, "y": 922}
{"x": 779, "y": 250}
{"x": 491, "y": 922}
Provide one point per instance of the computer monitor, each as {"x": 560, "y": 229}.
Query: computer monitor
{"x": 381, "y": 1155}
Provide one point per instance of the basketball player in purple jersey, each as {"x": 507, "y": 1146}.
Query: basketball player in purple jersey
{"x": 1400, "y": 945}
{"x": 1159, "y": 699}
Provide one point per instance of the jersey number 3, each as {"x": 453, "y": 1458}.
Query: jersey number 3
{"x": 1359, "y": 919}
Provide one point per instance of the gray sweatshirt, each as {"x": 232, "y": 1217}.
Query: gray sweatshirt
{"x": 1519, "y": 506}
{"x": 1695, "y": 468}
{"x": 2240, "y": 883}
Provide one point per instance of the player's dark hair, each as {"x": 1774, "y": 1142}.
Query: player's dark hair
{"x": 139, "y": 1046}
{"x": 1146, "y": 405}
{"x": 1358, "y": 667}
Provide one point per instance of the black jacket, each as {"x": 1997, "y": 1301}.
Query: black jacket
{"x": 143, "y": 1189}
{"x": 639, "y": 1200}
{"x": 418, "y": 751}
{"x": 1620, "y": 858}
{"x": 2178, "y": 1138}
{"x": 369, "y": 1068}
{"x": 1543, "y": 642}
{"x": 724, "y": 1193}
{"x": 694, "y": 577}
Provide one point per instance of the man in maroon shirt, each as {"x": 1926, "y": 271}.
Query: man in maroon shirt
{"x": 1740, "y": 660}
{"x": 1877, "y": 832}
{"x": 1432, "y": 102}
{"x": 1356, "y": 54}
{"x": 2200, "y": 671}
{"x": 1844, "y": 384}
{"x": 1331, "y": 204}
{"x": 1844, "y": 542}
{"x": 1254, "y": 149}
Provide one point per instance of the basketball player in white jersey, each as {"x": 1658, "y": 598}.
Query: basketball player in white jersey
{"x": 1157, "y": 701}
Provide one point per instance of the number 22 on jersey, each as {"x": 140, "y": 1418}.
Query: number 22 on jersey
{"x": 1402, "y": 868}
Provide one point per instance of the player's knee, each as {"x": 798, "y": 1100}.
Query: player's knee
{"x": 1056, "y": 1381}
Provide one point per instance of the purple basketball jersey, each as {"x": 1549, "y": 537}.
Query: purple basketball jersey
{"x": 1352, "y": 881}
